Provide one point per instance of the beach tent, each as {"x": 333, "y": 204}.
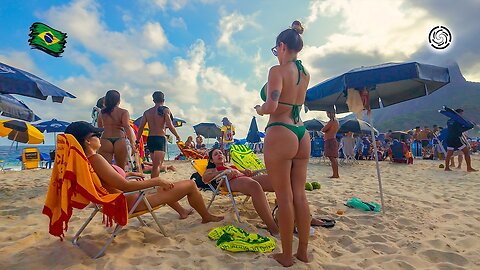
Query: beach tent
{"x": 387, "y": 84}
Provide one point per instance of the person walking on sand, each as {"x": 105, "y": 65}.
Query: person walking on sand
{"x": 455, "y": 142}
{"x": 158, "y": 118}
{"x": 284, "y": 94}
{"x": 331, "y": 144}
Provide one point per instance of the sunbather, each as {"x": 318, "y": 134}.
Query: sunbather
{"x": 244, "y": 182}
{"x": 113, "y": 178}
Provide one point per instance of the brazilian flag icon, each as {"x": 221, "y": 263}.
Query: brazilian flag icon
{"x": 47, "y": 39}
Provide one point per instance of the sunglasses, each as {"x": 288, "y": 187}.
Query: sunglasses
{"x": 274, "y": 50}
{"x": 98, "y": 135}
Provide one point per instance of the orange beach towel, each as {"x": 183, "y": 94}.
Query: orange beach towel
{"x": 74, "y": 184}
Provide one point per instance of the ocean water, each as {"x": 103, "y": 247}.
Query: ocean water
{"x": 9, "y": 155}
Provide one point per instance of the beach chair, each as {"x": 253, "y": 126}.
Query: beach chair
{"x": 30, "y": 158}
{"x": 74, "y": 184}
{"x": 200, "y": 166}
{"x": 190, "y": 154}
{"x": 244, "y": 158}
{"x": 398, "y": 152}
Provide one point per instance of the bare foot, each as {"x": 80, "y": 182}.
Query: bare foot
{"x": 303, "y": 257}
{"x": 212, "y": 218}
{"x": 172, "y": 168}
{"x": 334, "y": 176}
{"x": 472, "y": 170}
{"x": 280, "y": 258}
{"x": 448, "y": 170}
{"x": 186, "y": 213}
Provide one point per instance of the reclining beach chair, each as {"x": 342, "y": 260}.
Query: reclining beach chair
{"x": 190, "y": 154}
{"x": 74, "y": 184}
{"x": 200, "y": 166}
{"x": 398, "y": 152}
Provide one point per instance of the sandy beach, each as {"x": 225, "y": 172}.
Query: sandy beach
{"x": 432, "y": 221}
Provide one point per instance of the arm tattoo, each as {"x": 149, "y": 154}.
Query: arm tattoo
{"x": 275, "y": 95}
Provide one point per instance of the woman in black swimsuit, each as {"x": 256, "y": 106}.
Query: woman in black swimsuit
{"x": 117, "y": 130}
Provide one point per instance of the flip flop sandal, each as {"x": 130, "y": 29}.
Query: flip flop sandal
{"x": 327, "y": 223}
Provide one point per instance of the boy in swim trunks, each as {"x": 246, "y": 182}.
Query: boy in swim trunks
{"x": 331, "y": 144}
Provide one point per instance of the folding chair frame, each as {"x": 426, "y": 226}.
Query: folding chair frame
{"x": 222, "y": 177}
{"x": 131, "y": 214}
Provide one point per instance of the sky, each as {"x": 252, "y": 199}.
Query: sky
{"x": 212, "y": 57}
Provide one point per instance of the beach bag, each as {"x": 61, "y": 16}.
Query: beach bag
{"x": 235, "y": 239}
{"x": 366, "y": 206}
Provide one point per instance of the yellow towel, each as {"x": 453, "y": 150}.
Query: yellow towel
{"x": 74, "y": 184}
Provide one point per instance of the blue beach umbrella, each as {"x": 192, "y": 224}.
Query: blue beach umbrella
{"x": 387, "y": 84}
{"x": 20, "y": 82}
{"x": 14, "y": 108}
{"x": 53, "y": 125}
{"x": 252, "y": 136}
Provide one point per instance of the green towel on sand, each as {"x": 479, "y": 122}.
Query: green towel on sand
{"x": 235, "y": 239}
{"x": 366, "y": 206}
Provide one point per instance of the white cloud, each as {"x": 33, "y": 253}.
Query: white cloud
{"x": 154, "y": 35}
{"x": 230, "y": 24}
{"x": 178, "y": 23}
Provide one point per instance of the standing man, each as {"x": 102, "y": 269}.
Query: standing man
{"x": 331, "y": 144}
{"x": 228, "y": 131}
{"x": 455, "y": 142}
{"x": 158, "y": 118}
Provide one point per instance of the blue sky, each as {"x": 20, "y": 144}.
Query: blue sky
{"x": 211, "y": 57}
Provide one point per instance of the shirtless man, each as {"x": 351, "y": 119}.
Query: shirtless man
{"x": 158, "y": 118}
{"x": 331, "y": 144}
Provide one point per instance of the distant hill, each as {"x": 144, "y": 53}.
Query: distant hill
{"x": 423, "y": 111}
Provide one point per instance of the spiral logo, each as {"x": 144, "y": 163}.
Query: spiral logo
{"x": 440, "y": 37}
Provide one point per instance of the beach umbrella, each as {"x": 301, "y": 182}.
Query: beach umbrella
{"x": 20, "y": 82}
{"x": 355, "y": 126}
{"x": 14, "y": 108}
{"x": 313, "y": 125}
{"x": 54, "y": 126}
{"x": 208, "y": 130}
{"x": 387, "y": 84}
{"x": 252, "y": 135}
{"x": 18, "y": 131}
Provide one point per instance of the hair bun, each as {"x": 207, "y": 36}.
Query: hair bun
{"x": 297, "y": 26}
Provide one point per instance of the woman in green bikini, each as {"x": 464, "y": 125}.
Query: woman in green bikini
{"x": 284, "y": 94}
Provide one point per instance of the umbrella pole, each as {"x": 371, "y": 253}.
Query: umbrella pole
{"x": 376, "y": 162}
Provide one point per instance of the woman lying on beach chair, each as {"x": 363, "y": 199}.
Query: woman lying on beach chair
{"x": 113, "y": 178}
{"x": 243, "y": 181}
{"x": 399, "y": 153}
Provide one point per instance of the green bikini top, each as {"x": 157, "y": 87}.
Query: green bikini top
{"x": 295, "y": 107}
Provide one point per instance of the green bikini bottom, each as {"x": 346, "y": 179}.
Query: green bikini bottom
{"x": 297, "y": 130}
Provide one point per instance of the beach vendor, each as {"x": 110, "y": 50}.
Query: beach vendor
{"x": 455, "y": 142}
{"x": 284, "y": 95}
{"x": 228, "y": 131}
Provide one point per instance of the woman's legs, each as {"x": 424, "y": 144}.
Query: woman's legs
{"x": 120, "y": 153}
{"x": 180, "y": 190}
{"x": 300, "y": 203}
{"x": 249, "y": 186}
{"x": 278, "y": 160}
